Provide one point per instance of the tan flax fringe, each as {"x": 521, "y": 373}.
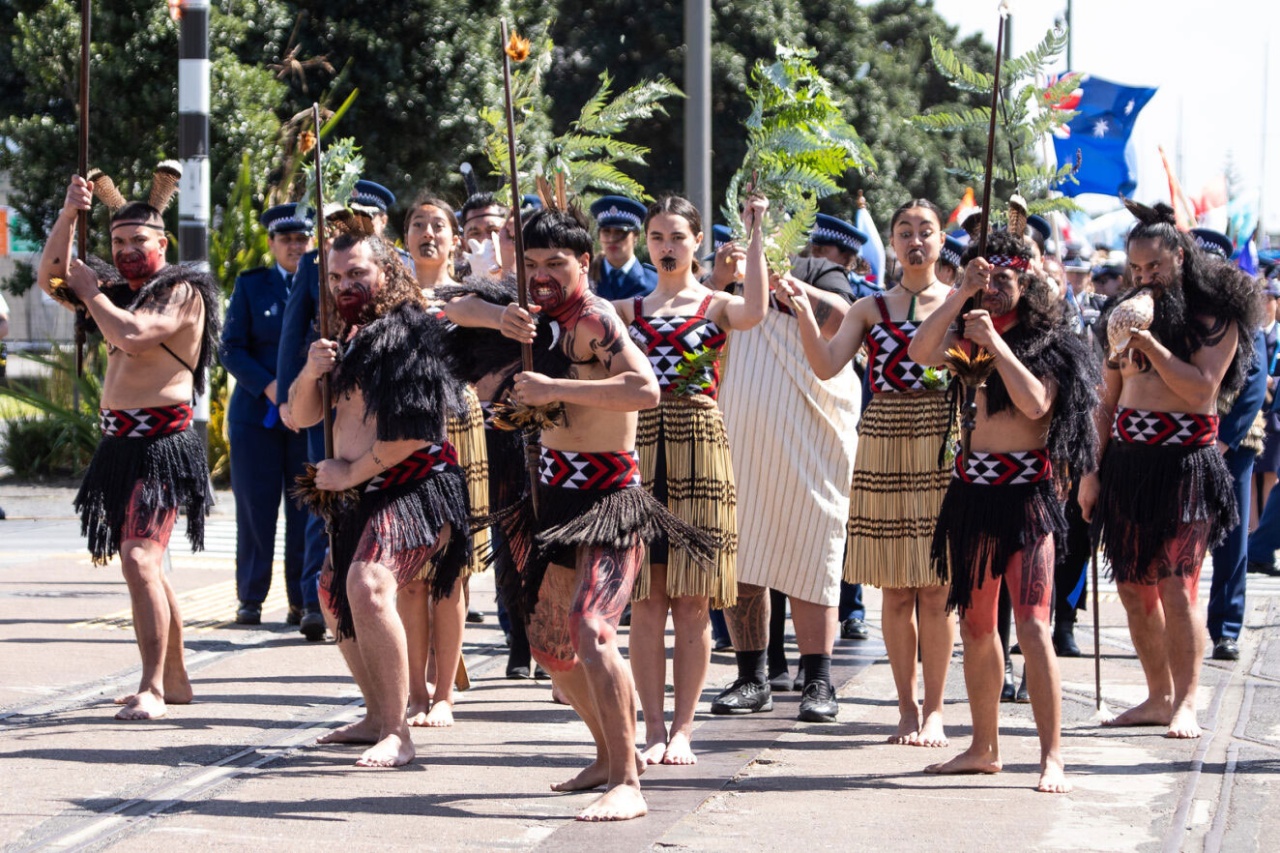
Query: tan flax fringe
{"x": 700, "y": 491}
{"x": 898, "y": 486}
{"x": 467, "y": 435}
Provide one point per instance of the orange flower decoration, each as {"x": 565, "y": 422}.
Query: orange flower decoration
{"x": 517, "y": 48}
{"x": 306, "y": 141}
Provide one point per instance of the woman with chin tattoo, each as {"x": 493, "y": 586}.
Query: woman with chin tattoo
{"x": 899, "y": 475}
{"x": 684, "y": 460}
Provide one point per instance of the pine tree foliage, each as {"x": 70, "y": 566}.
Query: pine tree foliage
{"x": 799, "y": 147}
{"x": 1023, "y": 119}
{"x": 588, "y": 154}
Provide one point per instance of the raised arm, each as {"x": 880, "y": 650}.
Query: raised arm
{"x": 933, "y": 337}
{"x": 57, "y": 249}
{"x": 137, "y": 331}
{"x": 827, "y": 355}
{"x": 1197, "y": 381}
{"x": 747, "y": 310}
{"x": 599, "y": 333}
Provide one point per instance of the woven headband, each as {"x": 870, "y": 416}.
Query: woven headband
{"x": 1010, "y": 261}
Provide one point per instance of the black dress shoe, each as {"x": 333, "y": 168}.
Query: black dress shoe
{"x": 1010, "y": 688}
{"x": 518, "y": 672}
{"x": 1022, "y": 697}
{"x": 540, "y": 673}
{"x": 1226, "y": 648}
{"x": 475, "y": 617}
{"x": 295, "y": 615}
{"x": 1064, "y": 641}
{"x": 249, "y": 614}
{"x": 818, "y": 704}
{"x": 311, "y": 625}
{"x": 744, "y": 696}
{"x": 854, "y": 629}
{"x": 1261, "y": 568}
{"x": 780, "y": 682}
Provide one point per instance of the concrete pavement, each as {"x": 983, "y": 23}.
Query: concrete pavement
{"x": 239, "y": 769}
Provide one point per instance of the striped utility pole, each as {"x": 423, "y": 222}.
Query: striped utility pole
{"x": 193, "y": 146}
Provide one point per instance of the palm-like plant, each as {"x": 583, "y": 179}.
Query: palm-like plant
{"x": 799, "y": 147}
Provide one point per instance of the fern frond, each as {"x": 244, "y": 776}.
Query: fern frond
{"x": 961, "y": 74}
{"x": 978, "y": 116}
{"x": 1038, "y": 58}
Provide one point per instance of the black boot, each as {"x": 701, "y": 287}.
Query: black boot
{"x": 1064, "y": 639}
{"x": 1010, "y": 689}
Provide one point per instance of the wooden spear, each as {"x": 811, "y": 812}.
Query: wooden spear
{"x": 82, "y": 218}
{"x": 322, "y": 262}
{"x": 513, "y": 49}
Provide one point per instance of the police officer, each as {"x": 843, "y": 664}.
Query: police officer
{"x": 618, "y": 273}
{"x": 840, "y": 242}
{"x": 266, "y": 455}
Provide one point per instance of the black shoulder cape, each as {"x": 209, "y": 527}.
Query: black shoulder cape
{"x": 479, "y": 352}
{"x": 156, "y": 292}
{"x": 401, "y": 365}
{"x": 1063, "y": 357}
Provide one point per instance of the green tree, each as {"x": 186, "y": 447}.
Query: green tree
{"x": 134, "y": 109}
{"x": 878, "y": 57}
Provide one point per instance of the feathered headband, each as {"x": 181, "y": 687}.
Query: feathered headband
{"x": 164, "y": 186}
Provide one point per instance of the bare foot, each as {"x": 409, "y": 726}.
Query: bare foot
{"x": 969, "y": 761}
{"x": 623, "y": 802}
{"x": 653, "y": 753}
{"x": 557, "y": 696}
{"x": 441, "y": 714}
{"x": 679, "y": 750}
{"x": 1053, "y": 777}
{"x": 361, "y": 731}
{"x": 1152, "y": 712}
{"x": 1183, "y": 724}
{"x": 177, "y": 691}
{"x": 392, "y": 751}
{"x": 593, "y": 775}
{"x": 417, "y": 713}
{"x": 932, "y": 733}
{"x": 142, "y": 706}
{"x": 908, "y": 726}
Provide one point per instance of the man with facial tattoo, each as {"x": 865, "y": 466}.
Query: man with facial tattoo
{"x": 160, "y": 324}
{"x": 579, "y": 548}
{"x": 1180, "y": 339}
{"x": 1002, "y": 521}
{"x": 397, "y": 502}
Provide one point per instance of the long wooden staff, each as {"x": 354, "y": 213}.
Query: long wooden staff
{"x": 322, "y": 261}
{"x": 969, "y": 410}
{"x": 82, "y": 218}
{"x": 509, "y": 47}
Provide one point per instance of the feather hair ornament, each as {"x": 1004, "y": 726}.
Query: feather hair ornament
{"x": 106, "y": 191}
{"x": 164, "y": 184}
{"x": 1017, "y": 215}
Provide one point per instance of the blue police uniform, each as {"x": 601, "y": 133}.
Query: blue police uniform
{"x": 634, "y": 279}
{"x": 265, "y": 456}
{"x": 296, "y": 336}
{"x": 1227, "y": 589}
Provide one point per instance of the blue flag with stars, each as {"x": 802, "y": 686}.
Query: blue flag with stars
{"x": 1100, "y": 133}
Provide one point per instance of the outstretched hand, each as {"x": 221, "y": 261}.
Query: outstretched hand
{"x": 79, "y": 196}
{"x": 518, "y": 323}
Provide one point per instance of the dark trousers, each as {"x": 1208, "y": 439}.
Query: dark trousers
{"x": 1226, "y": 592}
{"x": 317, "y": 538}
{"x": 264, "y": 462}
{"x": 1070, "y": 581}
{"x": 851, "y": 606}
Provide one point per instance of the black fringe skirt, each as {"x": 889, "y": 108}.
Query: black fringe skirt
{"x": 981, "y": 527}
{"x": 1148, "y": 493}
{"x": 405, "y": 519}
{"x": 571, "y": 518}
{"x": 173, "y": 472}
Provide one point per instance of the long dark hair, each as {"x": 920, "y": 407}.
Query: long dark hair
{"x": 913, "y": 203}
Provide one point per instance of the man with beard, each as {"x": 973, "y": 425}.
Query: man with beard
{"x": 1001, "y": 520}
{"x": 400, "y": 508}
{"x": 161, "y": 327}
{"x": 580, "y": 550}
{"x": 1179, "y": 339}
{"x": 298, "y": 330}
{"x": 618, "y": 273}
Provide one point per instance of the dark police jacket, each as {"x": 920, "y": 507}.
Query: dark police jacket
{"x": 251, "y": 343}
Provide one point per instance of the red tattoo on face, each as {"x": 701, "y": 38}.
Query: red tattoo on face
{"x": 137, "y": 265}
{"x": 551, "y": 295}
{"x": 351, "y": 301}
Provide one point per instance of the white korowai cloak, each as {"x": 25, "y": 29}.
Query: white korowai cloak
{"x": 793, "y": 438}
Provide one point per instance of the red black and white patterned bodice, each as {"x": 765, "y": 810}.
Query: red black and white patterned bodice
{"x": 666, "y": 340}
{"x": 887, "y": 344}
